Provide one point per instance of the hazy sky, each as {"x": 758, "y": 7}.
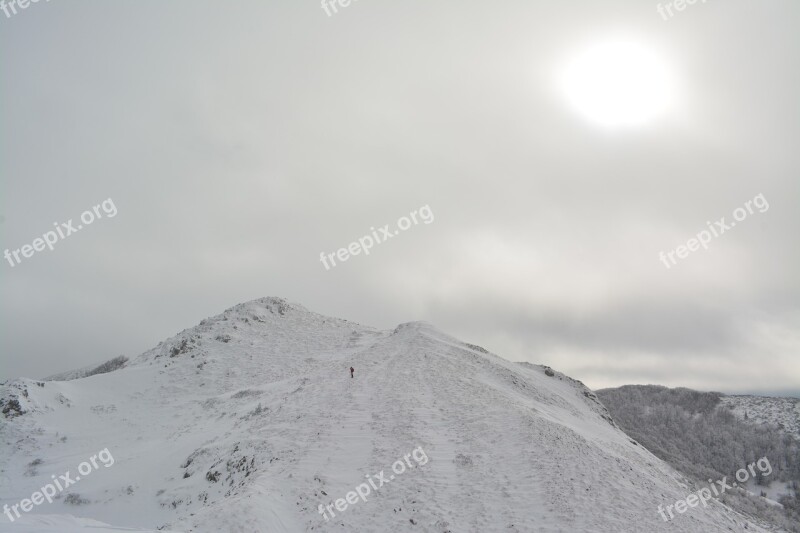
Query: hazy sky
{"x": 238, "y": 140}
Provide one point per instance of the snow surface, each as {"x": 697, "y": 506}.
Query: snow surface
{"x": 33, "y": 523}
{"x": 249, "y": 421}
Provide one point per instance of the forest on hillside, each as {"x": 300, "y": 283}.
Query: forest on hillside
{"x": 700, "y": 437}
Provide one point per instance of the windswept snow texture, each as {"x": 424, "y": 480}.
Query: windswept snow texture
{"x": 249, "y": 421}
{"x": 37, "y": 523}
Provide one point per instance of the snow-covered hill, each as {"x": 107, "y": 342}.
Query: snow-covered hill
{"x": 250, "y": 422}
{"x": 781, "y": 412}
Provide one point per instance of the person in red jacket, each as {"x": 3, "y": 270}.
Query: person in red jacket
{"x": 351, "y": 371}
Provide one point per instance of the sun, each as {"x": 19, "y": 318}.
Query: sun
{"x": 618, "y": 84}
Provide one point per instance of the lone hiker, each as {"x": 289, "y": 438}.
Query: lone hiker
{"x": 351, "y": 371}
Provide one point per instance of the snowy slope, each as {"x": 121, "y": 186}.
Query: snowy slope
{"x": 36, "y": 523}
{"x": 249, "y": 421}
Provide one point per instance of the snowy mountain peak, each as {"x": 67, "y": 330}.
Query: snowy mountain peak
{"x": 272, "y": 304}
{"x": 250, "y": 421}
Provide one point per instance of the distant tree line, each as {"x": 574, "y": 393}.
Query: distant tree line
{"x": 109, "y": 366}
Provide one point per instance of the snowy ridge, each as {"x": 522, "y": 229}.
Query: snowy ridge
{"x": 250, "y": 420}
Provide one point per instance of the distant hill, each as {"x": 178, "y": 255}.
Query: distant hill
{"x": 109, "y": 366}
{"x": 783, "y": 413}
{"x": 708, "y": 436}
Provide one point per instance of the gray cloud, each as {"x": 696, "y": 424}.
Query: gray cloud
{"x": 240, "y": 141}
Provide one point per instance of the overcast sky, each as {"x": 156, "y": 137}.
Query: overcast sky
{"x": 239, "y": 140}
